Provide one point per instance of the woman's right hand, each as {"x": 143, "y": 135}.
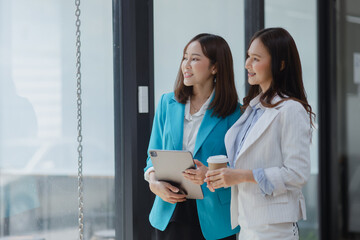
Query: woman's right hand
{"x": 165, "y": 191}
{"x": 227, "y": 177}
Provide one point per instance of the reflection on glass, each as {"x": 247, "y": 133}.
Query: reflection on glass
{"x": 299, "y": 18}
{"x": 38, "y": 148}
{"x": 348, "y": 85}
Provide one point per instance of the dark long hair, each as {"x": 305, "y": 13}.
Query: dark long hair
{"x": 286, "y": 70}
{"x": 218, "y": 51}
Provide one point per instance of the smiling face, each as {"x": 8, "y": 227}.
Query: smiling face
{"x": 196, "y": 67}
{"x": 258, "y": 65}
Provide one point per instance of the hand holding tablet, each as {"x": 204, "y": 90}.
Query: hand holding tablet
{"x": 169, "y": 166}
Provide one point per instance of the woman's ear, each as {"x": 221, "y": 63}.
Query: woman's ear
{"x": 214, "y": 69}
{"x": 282, "y": 65}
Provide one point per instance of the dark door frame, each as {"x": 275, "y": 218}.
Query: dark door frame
{"x": 254, "y": 12}
{"x": 328, "y": 159}
{"x": 133, "y": 67}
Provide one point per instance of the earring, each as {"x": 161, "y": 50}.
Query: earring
{"x": 214, "y": 79}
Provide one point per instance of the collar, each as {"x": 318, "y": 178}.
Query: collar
{"x": 202, "y": 110}
{"x": 255, "y": 102}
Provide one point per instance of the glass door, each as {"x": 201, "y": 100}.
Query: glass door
{"x": 38, "y": 147}
{"x": 300, "y": 19}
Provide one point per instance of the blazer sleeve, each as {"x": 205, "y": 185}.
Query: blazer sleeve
{"x": 157, "y": 130}
{"x": 295, "y": 149}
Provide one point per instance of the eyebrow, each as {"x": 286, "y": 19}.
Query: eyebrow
{"x": 195, "y": 54}
{"x": 253, "y": 54}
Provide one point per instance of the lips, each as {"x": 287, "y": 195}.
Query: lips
{"x": 187, "y": 75}
{"x": 251, "y": 74}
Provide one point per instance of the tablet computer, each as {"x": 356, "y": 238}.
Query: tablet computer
{"x": 169, "y": 165}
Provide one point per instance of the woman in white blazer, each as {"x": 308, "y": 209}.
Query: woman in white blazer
{"x": 268, "y": 147}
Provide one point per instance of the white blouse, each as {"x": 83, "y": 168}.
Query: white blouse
{"x": 192, "y": 124}
{"x": 191, "y": 128}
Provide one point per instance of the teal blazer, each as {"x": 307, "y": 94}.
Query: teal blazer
{"x": 167, "y": 134}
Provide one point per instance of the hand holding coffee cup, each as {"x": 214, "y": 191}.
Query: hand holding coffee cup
{"x": 217, "y": 162}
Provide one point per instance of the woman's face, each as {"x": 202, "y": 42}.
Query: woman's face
{"x": 258, "y": 65}
{"x": 196, "y": 66}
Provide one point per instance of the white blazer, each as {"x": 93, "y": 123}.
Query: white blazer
{"x": 279, "y": 143}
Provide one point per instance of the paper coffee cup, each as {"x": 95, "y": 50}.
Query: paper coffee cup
{"x": 218, "y": 161}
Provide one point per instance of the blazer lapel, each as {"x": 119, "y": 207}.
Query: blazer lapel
{"x": 207, "y": 124}
{"x": 176, "y": 112}
{"x": 232, "y": 133}
{"x": 261, "y": 125}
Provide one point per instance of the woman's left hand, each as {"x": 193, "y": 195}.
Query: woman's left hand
{"x": 197, "y": 175}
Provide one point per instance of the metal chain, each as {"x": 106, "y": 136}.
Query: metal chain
{"x": 79, "y": 123}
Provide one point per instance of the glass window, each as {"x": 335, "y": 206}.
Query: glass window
{"x": 348, "y": 99}
{"x": 176, "y": 22}
{"x": 300, "y": 19}
{"x": 38, "y": 122}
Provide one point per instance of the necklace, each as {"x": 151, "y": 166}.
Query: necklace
{"x": 194, "y": 108}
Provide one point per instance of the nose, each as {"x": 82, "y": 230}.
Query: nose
{"x": 186, "y": 63}
{"x": 247, "y": 64}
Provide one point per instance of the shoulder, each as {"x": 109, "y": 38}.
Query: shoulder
{"x": 237, "y": 113}
{"x": 166, "y": 98}
{"x": 233, "y": 117}
{"x": 291, "y": 106}
{"x": 293, "y": 110}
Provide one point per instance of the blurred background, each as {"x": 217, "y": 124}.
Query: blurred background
{"x": 130, "y": 44}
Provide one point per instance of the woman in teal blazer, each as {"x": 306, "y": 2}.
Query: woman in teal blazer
{"x": 195, "y": 117}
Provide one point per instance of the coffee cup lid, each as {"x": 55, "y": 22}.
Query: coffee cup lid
{"x": 218, "y": 159}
